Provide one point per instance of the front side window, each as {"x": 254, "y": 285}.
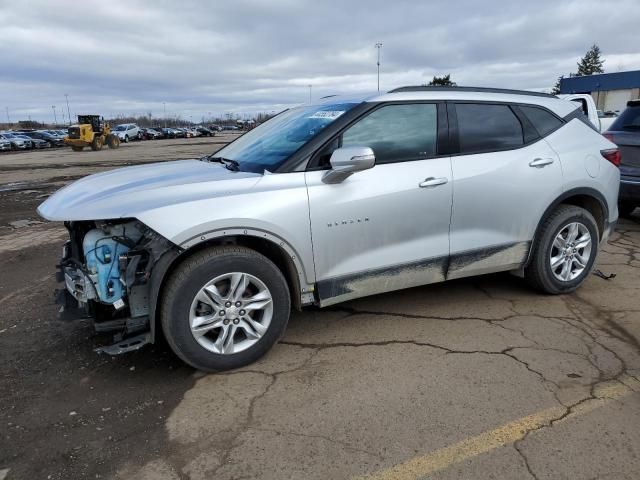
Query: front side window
{"x": 485, "y": 128}
{"x": 397, "y": 132}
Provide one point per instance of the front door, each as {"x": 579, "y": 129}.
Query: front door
{"x": 384, "y": 228}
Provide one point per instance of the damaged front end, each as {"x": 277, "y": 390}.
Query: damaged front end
{"x": 108, "y": 271}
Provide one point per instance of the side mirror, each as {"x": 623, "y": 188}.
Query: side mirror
{"x": 348, "y": 160}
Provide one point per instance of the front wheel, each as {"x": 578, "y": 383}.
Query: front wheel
{"x": 564, "y": 251}
{"x": 224, "y": 308}
{"x": 126, "y": 139}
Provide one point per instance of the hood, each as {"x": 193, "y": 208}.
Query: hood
{"x": 127, "y": 192}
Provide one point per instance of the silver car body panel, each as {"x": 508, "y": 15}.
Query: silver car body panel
{"x": 376, "y": 231}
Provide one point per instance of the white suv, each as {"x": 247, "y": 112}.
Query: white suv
{"x": 127, "y": 131}
{"x": 328, "y": 202}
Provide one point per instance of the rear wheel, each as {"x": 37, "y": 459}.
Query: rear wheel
{"x": 76, "y": 149}
{"x": 97, "y": 143}
{"x": 625, "y": 209}
{"x": 224, "y": 308}
{"x": 564, "y": 251}
{"x": 113, "y": 141}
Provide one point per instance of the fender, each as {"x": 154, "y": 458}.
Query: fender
{"x": 172, "y": 257}
{"x": 586, "y": 191}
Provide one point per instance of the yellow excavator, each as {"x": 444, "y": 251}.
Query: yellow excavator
{"x": 91, "y": 131}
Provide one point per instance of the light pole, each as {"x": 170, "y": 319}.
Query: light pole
{"x": 379, "y": 47}
{"x": 309, "y": 94}
{"x": 164, "y": 108}
{"x": 66, "y": 96}
{"x": 55, "y": 119}
{"x": 8, "y": 119}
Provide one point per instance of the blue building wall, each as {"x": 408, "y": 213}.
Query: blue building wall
{"x": 601, "y": 82}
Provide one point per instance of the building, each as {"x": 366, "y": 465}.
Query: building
{"x": 610, "y": 91}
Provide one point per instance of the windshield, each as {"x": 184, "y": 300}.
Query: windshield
{"x": 267, "y": 147}
{"x": 120, "y": 128}
{"x": 628, "y": 120}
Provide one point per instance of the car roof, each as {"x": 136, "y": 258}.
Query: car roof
{"x": 473, "y": 94}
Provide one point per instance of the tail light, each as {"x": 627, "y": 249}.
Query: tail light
{"x": 613, "y": 155}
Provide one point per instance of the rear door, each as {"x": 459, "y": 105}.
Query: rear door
{"x": 504, "y": 177}
{"x": 384, "y": 228}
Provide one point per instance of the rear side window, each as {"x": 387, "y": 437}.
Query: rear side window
{"x": 397, "y": 133}
{"x": 485, "y": 127}
{"x": 543, "y": 121}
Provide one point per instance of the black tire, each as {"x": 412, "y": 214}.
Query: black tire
{"x": 113, "y": 141}
{"x": 126, "y": 139}
{"x": 625, "y": 209}
{"x": 190, "y": 276}
{"x": 539, "y": 273}
{"x": 96, "y": 144}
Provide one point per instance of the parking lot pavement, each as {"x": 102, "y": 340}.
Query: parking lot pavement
{"x": 477, "y": 378}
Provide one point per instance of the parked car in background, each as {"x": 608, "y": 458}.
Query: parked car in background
{"x": 18, "y": 142}
{"x": 332, "y": 201}
{"x": 167, "y": 132}
{"x": 230, "y": 127}
{"x": 150, "y": 134}
{"x": 53, "y": 141}
{"x": 587, "y": 105}
{"x": 38, "y": 143}
{"x": 606, "y": 119}
{"x": 179, "y": 133}
{"x": 625, "y": 132}
{"x": 5, "y": 145}
{"x": 215, "y": 128}
{"x": 204, "y": 131}
{"x": 127, "y": 132}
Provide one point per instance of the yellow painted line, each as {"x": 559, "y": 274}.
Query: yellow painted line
{"x": 509, "y": 433}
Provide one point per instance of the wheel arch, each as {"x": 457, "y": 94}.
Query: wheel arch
{"x": 588, "y": 198}
{"x": 275, "y": 249}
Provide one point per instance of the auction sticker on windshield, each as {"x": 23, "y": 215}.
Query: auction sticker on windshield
{"x": 328, "y": 114}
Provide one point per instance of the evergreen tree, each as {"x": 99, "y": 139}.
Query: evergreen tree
{"x": 556, "y": 88}
{"x": 591, "y": 63}
{"x": 445, "y": 80}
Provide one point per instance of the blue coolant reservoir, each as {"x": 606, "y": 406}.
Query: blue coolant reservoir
{"x": 101, "y": 253}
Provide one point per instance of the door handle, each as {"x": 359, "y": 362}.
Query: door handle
{"x": 540, "y": 162}
{"x": 432, "y": 182}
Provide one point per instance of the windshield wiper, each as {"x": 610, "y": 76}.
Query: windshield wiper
{"x": 227, "y": 162}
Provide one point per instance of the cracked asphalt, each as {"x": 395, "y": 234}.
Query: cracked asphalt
{"x": 475, "y": 378}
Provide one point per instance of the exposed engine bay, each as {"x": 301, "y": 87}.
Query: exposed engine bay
{"x": 106, "y": 268}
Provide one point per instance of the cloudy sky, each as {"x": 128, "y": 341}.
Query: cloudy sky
{"x": 237, "y": 56}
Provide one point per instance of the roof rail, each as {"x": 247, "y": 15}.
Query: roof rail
{"x": 427, "y": 88}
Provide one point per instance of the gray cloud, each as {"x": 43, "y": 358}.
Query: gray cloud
{"x": 246, "y": 56}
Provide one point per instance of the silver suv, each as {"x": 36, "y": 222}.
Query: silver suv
{"x": 333, "y": 201}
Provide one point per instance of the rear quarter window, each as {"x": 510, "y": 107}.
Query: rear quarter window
{"x": 543, "y": 121}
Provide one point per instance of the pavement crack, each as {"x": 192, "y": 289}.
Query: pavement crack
{"x": 346, "y": 445}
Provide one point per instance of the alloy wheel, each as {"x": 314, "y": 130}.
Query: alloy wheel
{"x": 570, "y": 252}
{"x": 231, "y": 313}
